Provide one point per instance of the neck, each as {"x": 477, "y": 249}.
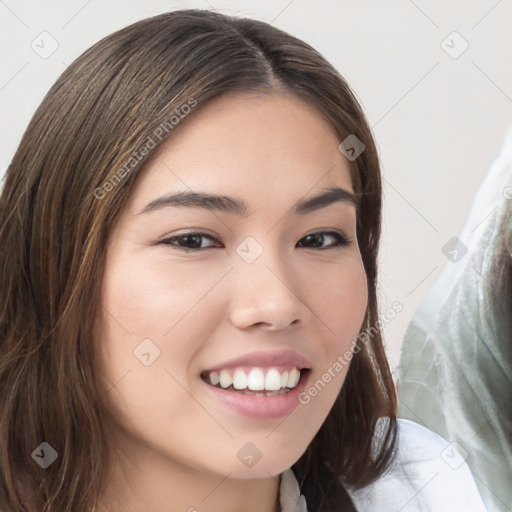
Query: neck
{"x": 154, "y": 483}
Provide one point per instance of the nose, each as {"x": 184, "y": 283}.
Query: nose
{"x": 267, "y": 293}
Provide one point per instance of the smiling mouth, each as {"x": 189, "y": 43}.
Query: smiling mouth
{"x": 255, "y": 382}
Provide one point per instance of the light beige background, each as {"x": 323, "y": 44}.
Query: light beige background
{"x": 439, "y": 121}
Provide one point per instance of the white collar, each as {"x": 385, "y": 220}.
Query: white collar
{"x": 290, "y": 498}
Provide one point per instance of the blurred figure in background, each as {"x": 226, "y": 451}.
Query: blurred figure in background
{"x": 455, "y": 372}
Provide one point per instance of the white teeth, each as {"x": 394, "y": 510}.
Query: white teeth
{"x": 273, "y": 380}
{"x": 293, "y": 378}
{"x": 256, "y": 380}
{"x": 225, "y": 379}
{"x": 239, "y": 379}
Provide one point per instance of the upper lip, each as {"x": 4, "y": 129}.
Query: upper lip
{"x": 266, "y": 358}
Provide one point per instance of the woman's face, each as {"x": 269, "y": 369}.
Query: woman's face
{"x": 274, "y": 287}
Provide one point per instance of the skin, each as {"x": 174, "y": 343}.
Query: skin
{"x": 205, "y": 307}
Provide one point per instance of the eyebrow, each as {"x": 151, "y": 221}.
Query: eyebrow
{"x": 239, "y": 207}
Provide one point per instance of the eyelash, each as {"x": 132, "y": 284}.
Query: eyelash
{"x": 341, "y": 240}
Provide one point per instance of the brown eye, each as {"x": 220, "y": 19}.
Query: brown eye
{"x": 317, "y": 239}
{"x": 188, "y": 241}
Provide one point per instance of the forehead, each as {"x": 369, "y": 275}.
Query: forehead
{"x": 266, "y": 146}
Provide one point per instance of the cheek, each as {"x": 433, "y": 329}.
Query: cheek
{"x": 154, "y": 307}
{"x": 339, "y": 303}
{"x": 155, "y": 299}
{"x": 339, "y": 299}
{"x": 146, "y": 344}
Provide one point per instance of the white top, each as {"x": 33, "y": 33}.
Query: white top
{"x": 427, "y": 475}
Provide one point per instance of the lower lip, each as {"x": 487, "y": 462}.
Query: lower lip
{"x": 261, "y": 407}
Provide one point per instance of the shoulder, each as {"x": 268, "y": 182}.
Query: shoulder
{"x": 428, "y": 474}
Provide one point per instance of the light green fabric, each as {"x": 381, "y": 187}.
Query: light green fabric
{"x": 455, "y": 371}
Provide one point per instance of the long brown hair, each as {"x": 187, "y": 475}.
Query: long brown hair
{"x": 63, "y": 190}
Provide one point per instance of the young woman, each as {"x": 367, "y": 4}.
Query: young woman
{"x": 189, "y": 322}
